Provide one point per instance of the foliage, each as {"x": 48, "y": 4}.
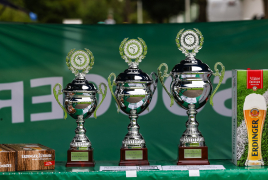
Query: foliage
{"x": 146, "y": 17}
{"x": 51, "y": 11}
{"x": 94, "y": 11}
{"x": 161, "y": 11}
{"x": 9, "y": 14}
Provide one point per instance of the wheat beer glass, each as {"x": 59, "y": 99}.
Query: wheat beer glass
{"x": 254, "y": 113}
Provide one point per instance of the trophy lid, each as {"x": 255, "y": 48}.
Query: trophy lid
{"x": 133, "y": 49}
{"x": 133, "y": 75}
{"x": 192, "y": 66}
{"x": 79, "y": 84}
{"x": 189, "y": 42}
{"x": 186, "y": 41}
{"x": 80, "y": 62}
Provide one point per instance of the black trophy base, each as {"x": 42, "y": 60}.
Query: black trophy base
{"x": 193, "y": 156}
{"x": 133, "y": 157}
{"x": 80, "y": 158}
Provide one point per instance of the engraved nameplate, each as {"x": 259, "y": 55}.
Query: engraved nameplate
{"x": 192, "y": 153}
{"x": 133, "y": 155}
{"x": 79, "y": 156}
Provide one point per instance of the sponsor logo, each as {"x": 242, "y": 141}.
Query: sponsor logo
{"x": 37, "y": 156}
{"x": 5, "y": 165}
{"x": 254, "y": 112}
{"x": 255, "y": 136}
{"x": 49, "y": 163}
{"x": 254, "y": 79}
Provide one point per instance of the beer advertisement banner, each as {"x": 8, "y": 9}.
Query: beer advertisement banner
{"x": 250, "y": 126}
{"x": 33, "y": 61}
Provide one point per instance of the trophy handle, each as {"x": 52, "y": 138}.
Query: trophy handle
{"x": 221, "y": 76}
{"x": 56, "y": 95}
{"x": 155, "y": 81}
{"x": 111, "y": 84}
{"x": 103, "y": 96}
{"x": 161, "y": 78}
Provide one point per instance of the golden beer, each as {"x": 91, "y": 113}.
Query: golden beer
{"x": 254, "y": 113}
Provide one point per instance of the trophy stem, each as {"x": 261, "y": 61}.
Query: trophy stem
{"x": 133, "y": 151}
{"x": 133, "y": 127}
{"x": 80, "y": 141}
{"x": 80, "y": 153}
{"x": 133, "y": 138}
{"x": 192, "y": 137}
{"x": 192, "y": 149}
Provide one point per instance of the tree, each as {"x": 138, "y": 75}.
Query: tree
{"x": 160, "y": 11}
{"x": 13, "y": 13}
{"x": 265, "y": 2}
{"x": 90, "y": 11}
{"x": 202, "y": 17}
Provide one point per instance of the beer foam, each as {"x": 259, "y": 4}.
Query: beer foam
{"x": 254, "y": 101}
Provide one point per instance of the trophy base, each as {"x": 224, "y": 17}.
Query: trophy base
{"x": 193, "y": 156}
{"x": 80, "y": 158}
{"x": 133, "y": 157}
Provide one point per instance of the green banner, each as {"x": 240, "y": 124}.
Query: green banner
{"x": 33, "y": 61}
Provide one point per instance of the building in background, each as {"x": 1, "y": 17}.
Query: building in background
{"x": 233, "y": 10}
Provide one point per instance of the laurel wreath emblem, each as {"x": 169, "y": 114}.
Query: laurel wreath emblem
{"x": 76, "y": 69}
{"x": 138, "y": 56}
{"x": 184, "y": 47}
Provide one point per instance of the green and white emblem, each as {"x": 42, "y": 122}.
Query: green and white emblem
{"x": 189, "y": 40}
{"x": 133, "y": 49}
{"x": 80, "y": 61}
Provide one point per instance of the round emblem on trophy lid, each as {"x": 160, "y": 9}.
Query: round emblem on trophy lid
{"x": 189, "y": 39}
{"x": 189, "y": 42}
{"x": 133, "y": 49}
{"x": 80, "y": 60}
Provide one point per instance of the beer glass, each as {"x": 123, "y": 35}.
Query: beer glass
{"x": 254, "y": 113}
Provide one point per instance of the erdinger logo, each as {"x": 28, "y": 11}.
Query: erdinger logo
{"x": 255, "y": 137}
{"x": 36, "y": 156}
{"x": 254, "y": 112}
{"x": 5, "y": 165}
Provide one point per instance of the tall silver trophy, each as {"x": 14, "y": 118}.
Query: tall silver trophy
{"x": 191, "y": 88}
{"x": 133, "y": 94}
{"x": 80, "y": 102}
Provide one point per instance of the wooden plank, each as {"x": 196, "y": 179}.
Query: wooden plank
{"x": 7, "y": 159}
{"x": 33, "y": 157}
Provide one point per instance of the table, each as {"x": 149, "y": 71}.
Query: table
{"x": 93, "y": 173}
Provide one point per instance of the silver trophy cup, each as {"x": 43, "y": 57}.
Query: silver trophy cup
{"x": 133, "y": 94}
{"x": 191, "y": 88}
{"x": 80, "y": 102}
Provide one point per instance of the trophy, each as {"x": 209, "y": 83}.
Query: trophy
{"x": 191, "y": 88}
{"x": 80, "y": 102}
{"x": 133, "y": 95}
{"x": 254, "y": 113}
